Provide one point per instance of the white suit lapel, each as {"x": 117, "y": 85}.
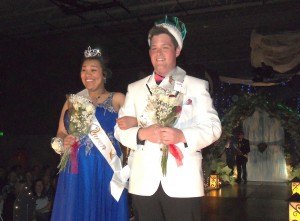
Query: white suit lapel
{"x": 174, "y": 80}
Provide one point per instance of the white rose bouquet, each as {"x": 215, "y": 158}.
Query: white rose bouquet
{"x": 81, "y": 112}
{"x": 164, "y": 108}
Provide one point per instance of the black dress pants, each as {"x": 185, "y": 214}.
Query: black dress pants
{"x": 161, "y": 207}
{"x": 241, "y": 170}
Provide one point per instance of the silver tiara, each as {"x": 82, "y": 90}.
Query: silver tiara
{"x": 92, "y": 52}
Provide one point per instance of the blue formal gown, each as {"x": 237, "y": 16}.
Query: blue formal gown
{"x": 86, "y": 196}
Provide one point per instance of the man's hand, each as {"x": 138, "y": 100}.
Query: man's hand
{"x": 151, "y": 133}
{"x": 171, "y": 135}
{"x": 127, "y": 122}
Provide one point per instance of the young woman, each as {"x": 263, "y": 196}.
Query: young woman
{"x": 42, "y": 202}
{"x": 87, "y": 194}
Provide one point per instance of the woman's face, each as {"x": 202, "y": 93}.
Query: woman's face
{"x": 92, "y": 75}
{"x": 46, "y": 179}
{"x": 29, "y": 177}
{"x": 12, "y": 177}
{"x": 39, "y": 187}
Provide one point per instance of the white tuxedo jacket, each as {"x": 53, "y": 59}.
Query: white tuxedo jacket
{"x": 200, "y": 125}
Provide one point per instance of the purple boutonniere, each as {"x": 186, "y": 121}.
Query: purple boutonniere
{"x": 189, "y": 102}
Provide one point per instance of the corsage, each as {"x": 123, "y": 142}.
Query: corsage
{"x": 57, "y": 144}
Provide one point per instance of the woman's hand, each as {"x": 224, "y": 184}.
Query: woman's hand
{"x": 69, "y": 140}
{"x": 127, "y": 122}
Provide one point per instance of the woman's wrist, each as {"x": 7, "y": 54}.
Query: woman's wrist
{"x": 57, "y": 144}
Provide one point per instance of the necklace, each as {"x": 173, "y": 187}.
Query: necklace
{"x": 95, "y": 100}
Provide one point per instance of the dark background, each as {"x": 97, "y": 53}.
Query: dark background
{"x": 42, "y": 43}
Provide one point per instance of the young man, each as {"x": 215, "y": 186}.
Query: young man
{"x": 175, "y": 194}
{"x": 243, "y": 148}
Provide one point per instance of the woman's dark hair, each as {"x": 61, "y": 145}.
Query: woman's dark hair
{"x": 161, "y": 30}
{"x": 43, "y": 193}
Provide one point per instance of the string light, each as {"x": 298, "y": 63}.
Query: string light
{"x": 284, "y": 83}
{"x": 249, "y": 89}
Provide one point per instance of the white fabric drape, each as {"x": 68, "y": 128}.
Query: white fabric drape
{"x": 280, "y": 51}
{"x": 269, "y": 165}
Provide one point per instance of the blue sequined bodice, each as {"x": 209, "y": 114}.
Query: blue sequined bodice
{"x": 106, "y": 115}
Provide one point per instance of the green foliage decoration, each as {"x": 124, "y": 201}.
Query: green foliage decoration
{"x": 236, "y": 114}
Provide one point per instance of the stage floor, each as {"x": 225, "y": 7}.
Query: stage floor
{"x": 254, "y": 201}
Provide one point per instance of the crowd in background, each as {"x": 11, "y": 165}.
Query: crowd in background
{"x": 27, "y": 194}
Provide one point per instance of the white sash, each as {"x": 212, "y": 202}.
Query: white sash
{"x": 106, "y": 148}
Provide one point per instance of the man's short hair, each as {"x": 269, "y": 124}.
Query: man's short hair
{"x": 161, "y": 30}
{"x": 240, "y": 133}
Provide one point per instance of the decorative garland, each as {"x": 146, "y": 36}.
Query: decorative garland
{"x": 244, "y": 108}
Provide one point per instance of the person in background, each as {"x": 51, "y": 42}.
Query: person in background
{"x": 42, "y": 202}
{"x": 176, "y": 194}
{"x": 24, "y": 204}
{"x": 2, "y": 183}
{"x": 29, "y": 179}
{"x": 36, "y": 172}
{"x": 230, "y": 153}
{"x": 8, "y": 195}
{"x": 242, "y": 150}
{"x": 12, "y": 179}
{"x": 47, "y": 186}
{"x": 2, "y": 178}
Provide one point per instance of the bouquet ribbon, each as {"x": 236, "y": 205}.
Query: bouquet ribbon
{"x": 177, "y": 154}
{"x": 74, "y": 153}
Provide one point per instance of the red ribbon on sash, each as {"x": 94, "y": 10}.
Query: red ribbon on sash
{"x": 176, "y": 152}
{"x": 74, "y": 161}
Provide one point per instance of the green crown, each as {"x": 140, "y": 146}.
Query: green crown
{"x": 174, "y": 21}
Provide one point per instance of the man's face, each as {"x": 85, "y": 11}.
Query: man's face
{"x": 163, "y": 54}
{"x": 240, "y": 136}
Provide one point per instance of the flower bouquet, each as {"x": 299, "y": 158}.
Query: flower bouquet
{"x": 165, "y": 108}
{"x": 81, "y": 112}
